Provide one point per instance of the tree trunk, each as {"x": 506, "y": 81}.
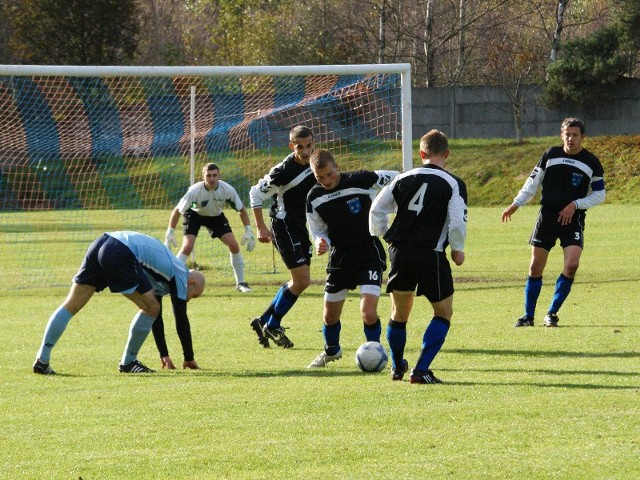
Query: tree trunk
{"x": 555, "y": 42}
{"x": 428, "y": 44}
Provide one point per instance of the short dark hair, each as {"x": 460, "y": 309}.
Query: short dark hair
{"x": 210, "y": 166}
{"x": 434, "y": 142}
{"x": 300, "y": 132}
{"x": 572, "y": 122}
{"x": 320, "y": 158}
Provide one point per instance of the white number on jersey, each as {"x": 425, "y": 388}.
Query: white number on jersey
{"x": 417, "y": 202}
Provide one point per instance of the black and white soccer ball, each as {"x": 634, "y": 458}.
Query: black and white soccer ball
{"x": 371, "y": 357}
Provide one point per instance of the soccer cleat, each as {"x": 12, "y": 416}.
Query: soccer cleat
{"x": 424, "y": 377}
{"x": 322, "y": 359}
{"x": 397, "y": 373}
{"x": 524, "y": 321}
{"x": 257, "y": 326}
{"x": 243, "y": 287}
{"x": 42, "y": 368}
{"x": 277, "y": 335}
{"x": 551, "y": 320}
{"x": 134, "y": 367}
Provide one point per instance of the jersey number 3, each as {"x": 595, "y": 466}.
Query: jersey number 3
{"x": 417, "y": 202}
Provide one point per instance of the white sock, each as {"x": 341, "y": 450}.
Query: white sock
{"x": 182, "y": 257}
{"x": 237, "y": 262}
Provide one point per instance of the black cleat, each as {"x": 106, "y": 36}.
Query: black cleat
{"x": 524, "y": 321}
{"x": 551, "y": 320}
{"x": 135, "y": 367}
{"x": 277, "y": 336}
{"x": 42, "y": 368}
{"x": 397, "y": 373}
{"x": 257, "y": 326}
{"x": 424, "y": 377}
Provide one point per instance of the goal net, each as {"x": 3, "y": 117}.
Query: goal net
{"x": 84, "y": 150}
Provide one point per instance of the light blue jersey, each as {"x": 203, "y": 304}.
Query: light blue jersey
{"x": 159, "y": 263}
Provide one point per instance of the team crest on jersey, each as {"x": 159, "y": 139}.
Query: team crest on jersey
{"x": 354, "y": 205}
{"x": 576, "y": 179}
{"x": 204, "y": 203}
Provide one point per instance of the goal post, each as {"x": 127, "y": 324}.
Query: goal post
{"x": 85, "y": 150}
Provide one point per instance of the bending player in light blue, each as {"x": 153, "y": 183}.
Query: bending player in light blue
{"x": 137, "y": 266}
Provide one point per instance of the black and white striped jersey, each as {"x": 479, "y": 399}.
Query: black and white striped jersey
{"x": 430, "y": 206}
{"x": 565, "y": 178}
{"x": 288, "y": 182}
{"x": 341, "y": 215}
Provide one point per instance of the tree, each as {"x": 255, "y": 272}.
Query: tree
{"x": 73, "y": 32}
{"x": 587, "y": 67}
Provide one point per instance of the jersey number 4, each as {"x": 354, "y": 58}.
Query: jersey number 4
{"x": 417, "y": 202}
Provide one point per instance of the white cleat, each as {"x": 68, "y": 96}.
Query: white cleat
{"x": 243, "y": 287}
{"x": 322, "y": 359}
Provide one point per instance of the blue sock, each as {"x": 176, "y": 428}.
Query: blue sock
{"x": 56, "y": 326}
{"x": 283, "y": 302}
{"x": 397, "y": 338}
{"x": 563, "y": 287}
{"x": 372, "y": 332}
{"x": 332, "y": 338}
{"x": 432, "y": 342}
{"x": 269, "y": 311}
{"x": 138, "y": 331}
{"x": 531, "y": 293}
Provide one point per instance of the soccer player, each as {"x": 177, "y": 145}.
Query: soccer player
{"x": 338, "y": 216}
{"x": 288, "y": 182}
{"x": 137, "y": 266}
{"x": 572, "y": 181}
{"x": 431, "y": 210}
{"x": 202, "y": 205}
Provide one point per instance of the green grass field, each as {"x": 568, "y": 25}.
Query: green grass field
{"x": 517, "y": 403}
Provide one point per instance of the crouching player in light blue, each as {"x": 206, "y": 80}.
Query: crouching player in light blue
{"x": 137, "y": 266}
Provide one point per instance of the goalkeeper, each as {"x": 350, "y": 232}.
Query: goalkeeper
{"x": 202, "y": 206}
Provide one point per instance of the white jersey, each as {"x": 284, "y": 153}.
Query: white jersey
{"x": 209, "y": 203}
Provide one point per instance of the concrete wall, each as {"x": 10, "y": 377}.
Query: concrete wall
{"x": 485, "y": 112}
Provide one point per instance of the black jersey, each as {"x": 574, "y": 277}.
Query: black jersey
{"x": 343, "y": 212}
{"x": 431, "y": 209}
{"x": 289, "y": 182}
{"x": 563, "y": 177}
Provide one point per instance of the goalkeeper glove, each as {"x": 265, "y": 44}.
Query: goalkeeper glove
{"x": 248, "y": 238}
{"x": 170, "y": 238}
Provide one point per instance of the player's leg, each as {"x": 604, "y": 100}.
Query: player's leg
{"x": 533, "y": 285}
{"x": 370, "y": 283}
{"x": 369, "y": 313}
{"x": 564, "y": 282}
{"x": 139, "y": 329}
{"x": 188, "y": 242}
{"x": 77, "y": 298}
{"x": 401, "y": 305}
{"x": 237, "y": 261}
{"x": 191, "y": 223}
{"x": 436, "y": 283}
{"x": 333, "y": 304}
{"x": 433, "y": 339}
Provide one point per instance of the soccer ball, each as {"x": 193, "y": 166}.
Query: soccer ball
{"x": 371, "y": 357}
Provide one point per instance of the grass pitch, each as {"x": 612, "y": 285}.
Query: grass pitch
{"x": 517, "y": 403}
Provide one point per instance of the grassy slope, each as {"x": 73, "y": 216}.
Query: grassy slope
{"x": 494, "y": 170}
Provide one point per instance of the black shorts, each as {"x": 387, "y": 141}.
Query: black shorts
{"x": 349, "y": 279}
{"x": 292, "y": 243}
{"x": 110, "y": 263}
{"x": 547, "y": 230}
{"x": 413, "y": 266}
{"x": 217, "y": 226}
{"x": 359, "y": 264}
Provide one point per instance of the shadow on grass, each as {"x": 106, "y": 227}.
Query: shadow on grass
{"x": 578, "y": 386}
{"x": 538, "y": 353}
